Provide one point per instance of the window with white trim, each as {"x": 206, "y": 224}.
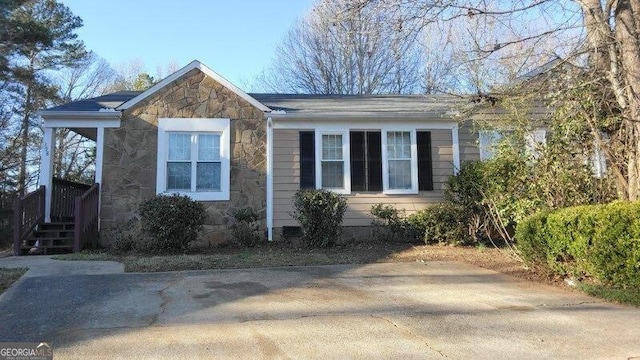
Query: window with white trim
{"x": 391, "y": 161}
{"x": 399, "y": 160}
{"x": 193, "y": 158}
{"x": 489, "y": 139}
{"x": 332, "y": 162}
{"x": 194, "y": 162}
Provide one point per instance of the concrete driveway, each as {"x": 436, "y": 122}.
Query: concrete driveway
{"x": 402, "y": 310}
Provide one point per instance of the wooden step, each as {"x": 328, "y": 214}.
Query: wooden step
{"x": 56, "y": 226}
{"x": 52, "y": 237}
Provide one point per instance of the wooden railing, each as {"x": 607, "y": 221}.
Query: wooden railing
{"x": 63, "y": 195}
{"x": 28, "y": 212}
{"x": 86, "y": 218}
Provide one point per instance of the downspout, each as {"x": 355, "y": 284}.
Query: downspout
{"x": 456, "y": 149}
{"x": 269, "y": 179}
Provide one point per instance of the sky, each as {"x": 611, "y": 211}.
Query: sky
{"x": 235, "y": 38}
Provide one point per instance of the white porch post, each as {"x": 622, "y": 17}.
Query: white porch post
{"x": 99, "y": 154}
{"x": 456, "y": 149}
{"x": 46, "y": 168}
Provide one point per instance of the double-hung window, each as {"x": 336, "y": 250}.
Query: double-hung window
{"x": 193, "y": 158}
{"x": 399, "y": 160}
{"x": 332, "y": 167}
{"x": 194, "y": 162}
{"x": 391, "y": 161}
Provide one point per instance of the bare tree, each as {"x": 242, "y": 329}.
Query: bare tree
{"x": 608, "y": 32}
{"x": 366, "y": 52}
{"x": 74, "y": 156}
{"x": 133, "y": 75}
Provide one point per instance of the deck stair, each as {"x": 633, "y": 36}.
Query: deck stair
{"x": 51, "y": 238}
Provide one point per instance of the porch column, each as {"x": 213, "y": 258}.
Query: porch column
{"x": 99, "y": 154}
{"x": 46, "y": 168}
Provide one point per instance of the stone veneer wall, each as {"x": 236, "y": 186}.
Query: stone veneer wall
{"x": 129, "y": 173}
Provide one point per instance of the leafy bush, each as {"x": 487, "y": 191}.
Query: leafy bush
{"x": 125, "y": 238}
{"x": 245, "y": 229}
{"x": 171, "y": 222}
{"x": 320, "y": 214}
{"x": 596, "y": 241}
{"x": 443, "y": 224}
{"x": 392, "y": 224}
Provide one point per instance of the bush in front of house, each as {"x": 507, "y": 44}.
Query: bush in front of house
{"x": 392, "y": 224}
{"x": 320, "y": 213}
{"x": 171, "y": 222}
{"x": 245, "y": 228}
{"x": 443, "y": 223}
{"x": 600, "y": 242}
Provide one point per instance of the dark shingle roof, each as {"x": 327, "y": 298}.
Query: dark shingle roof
{"x": 306, "y": 104}
{"x": 109, "y": 101}
{"x": 354, "y": 104}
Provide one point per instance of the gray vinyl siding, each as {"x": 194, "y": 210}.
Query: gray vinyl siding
{"x": 286, "y": 181}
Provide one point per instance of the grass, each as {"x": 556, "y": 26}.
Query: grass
{"x": 621, "y": 296}
{"x": 265, "y": 255}
{"x": 9, "y": 276}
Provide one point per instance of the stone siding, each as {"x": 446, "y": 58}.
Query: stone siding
{"x": 130, "y": 156}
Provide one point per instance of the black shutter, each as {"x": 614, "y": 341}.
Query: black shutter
{"x": 307, "y": 160}
{"x": 374, "y": 161}
{"x": 357, "y": 149}
{"x": 425, "y": 167}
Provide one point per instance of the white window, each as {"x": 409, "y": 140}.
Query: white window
{"x": 332, "y": 167}
{"x": 193, "y": 158}
{"x": 599, "y": 158}
{"x": 488, "y": 139}
{"x": 535, "y": 140}
{"x": 399, "y": 168}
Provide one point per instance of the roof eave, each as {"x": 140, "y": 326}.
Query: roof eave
{"x": 98, "y": 115}
{"x": 338, "y": 116}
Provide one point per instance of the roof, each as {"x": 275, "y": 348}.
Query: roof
{"x": 435, "y": 105}
{"x": 354, "y": 105}
{"x": 109, "y": 101}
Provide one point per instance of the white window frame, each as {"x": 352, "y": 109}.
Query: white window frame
{"x": 535, "y": 139}
{"x": 195, "y": 126}
{"x": 488, "y": 139}
{"x": 346, "y": 159}
{"x": 414, "y": 163}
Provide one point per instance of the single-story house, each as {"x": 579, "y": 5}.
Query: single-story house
{"x": 195, "y": 133}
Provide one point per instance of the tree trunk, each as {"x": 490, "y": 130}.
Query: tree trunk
{"x": 628, "y": 41}
{"x": 24, "y": 145}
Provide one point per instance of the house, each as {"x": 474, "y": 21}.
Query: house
{"x": 197, "y": 134}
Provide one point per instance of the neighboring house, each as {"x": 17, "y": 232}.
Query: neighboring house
{"x": 194, "y": 133}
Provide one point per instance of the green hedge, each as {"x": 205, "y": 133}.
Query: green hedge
{"x": 592, "y": 241}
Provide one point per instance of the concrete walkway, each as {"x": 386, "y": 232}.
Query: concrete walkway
{"x": 401, "y": 310}
{"x": 42, "y": 265}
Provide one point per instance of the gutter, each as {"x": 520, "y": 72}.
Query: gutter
{"x": 84, "y": 115}
{"x": 338, "y": 116}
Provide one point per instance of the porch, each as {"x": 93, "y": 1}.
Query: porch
{"x": 64, "y": 216}
{"x": 71, "y": 226}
